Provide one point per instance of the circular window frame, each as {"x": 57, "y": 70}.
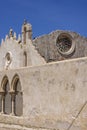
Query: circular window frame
{"x": 71, "y": 49}
{"x": 8, "y": 59}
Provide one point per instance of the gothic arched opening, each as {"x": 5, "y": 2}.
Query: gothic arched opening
{"x": 25, "y": 58}
{"x": 5, "y": 96}
{"x": 18, "y": 99}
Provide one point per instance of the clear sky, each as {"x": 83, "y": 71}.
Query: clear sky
{"x": 44, "y": 15}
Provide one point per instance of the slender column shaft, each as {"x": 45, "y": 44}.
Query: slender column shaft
{"x": 13, "y": 104}
{"x": 3, "y": 104}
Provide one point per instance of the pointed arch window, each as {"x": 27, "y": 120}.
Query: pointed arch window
{"x": 5, "y": 96}
{"x": 25, "y": 58}
{"x": 17, "y": 96}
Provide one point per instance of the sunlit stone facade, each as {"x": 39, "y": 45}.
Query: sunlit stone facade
{"x": 43, "y": 82}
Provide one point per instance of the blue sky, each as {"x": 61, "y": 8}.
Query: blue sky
{"x": 44, "y": 15}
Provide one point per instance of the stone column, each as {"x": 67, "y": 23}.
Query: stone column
{"x": 12, "y": 102}
{"x": 2, "y": 93}
{"x": 3, "y": 104}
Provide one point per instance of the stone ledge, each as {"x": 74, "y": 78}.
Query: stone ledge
{"x": 8, "y": 122}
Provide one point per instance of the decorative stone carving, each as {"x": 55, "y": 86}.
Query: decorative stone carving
{"x": 19, "y": 38}
{"x": 8, "y": 60}
{"x": 14, "y": 35}
{"x": 11, "y": 33}
{"x": 65, "y": 44}
{"x": 6, "y": 37}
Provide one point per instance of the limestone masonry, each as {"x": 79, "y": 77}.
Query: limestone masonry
{"x": 43, "y": 81}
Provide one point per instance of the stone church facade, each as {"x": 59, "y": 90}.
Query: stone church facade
{"x": 43, "y": 81}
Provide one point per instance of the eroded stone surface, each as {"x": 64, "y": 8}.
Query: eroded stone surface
{"x": 54, "y": 95}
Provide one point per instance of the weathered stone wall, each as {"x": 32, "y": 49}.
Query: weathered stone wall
{"x": 44, "y": 50}
{"x": 14, "y": 48}
{"x": 46, "y": 46}
{"x": 55, "y": 94}
{"x": 17, "y": 57}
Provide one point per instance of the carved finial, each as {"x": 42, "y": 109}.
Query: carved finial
{"x": 25, "y": 21}
{"x": 19, "y": 38}
{"x": 14, "y": 35}
{"x": 6, "y": 37}
{"x": 11, "y": 33}
{"x": 2, "y": 41}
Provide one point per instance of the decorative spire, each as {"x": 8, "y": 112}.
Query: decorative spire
{"x": 26, "y": 31}
{"x": 19, "y": 38}
{"x": 14, "y": 35}
{"x": 25, "y": 21}
{"x": 11, "y": 33}
{"x": 6, "y": 37}
{"x": 2, "y": 40}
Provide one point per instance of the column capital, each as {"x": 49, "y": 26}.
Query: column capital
{"x": 2, "y": 92}
{"x": 12, "y": 92}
